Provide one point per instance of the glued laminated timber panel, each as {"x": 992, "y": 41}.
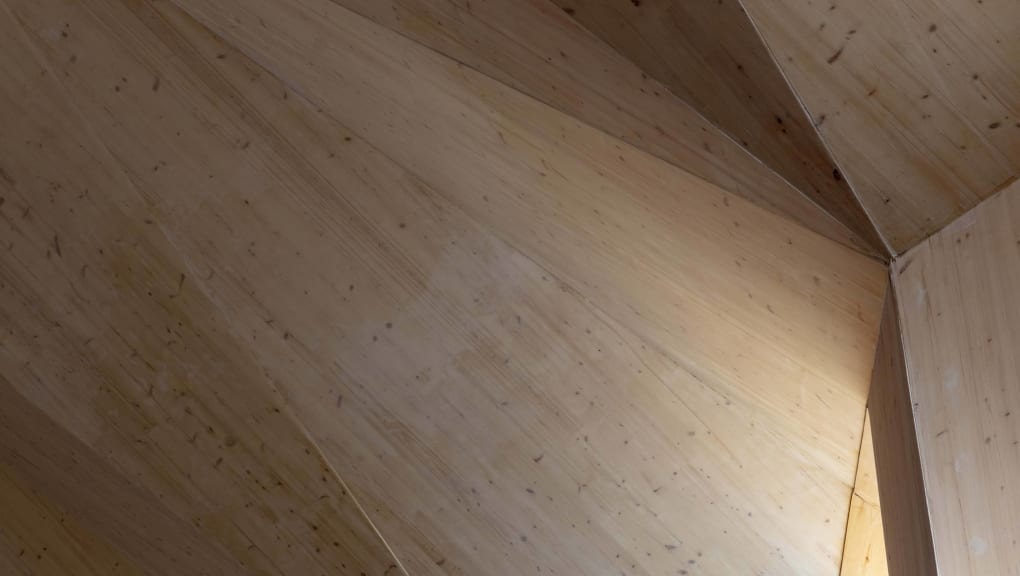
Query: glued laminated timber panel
{"x": 864, "y": 548}
{"x": 919, "y": 100}
{"x": 535, "y": 47}
{"x": 106, "y": 333}
{"x": 961, "y": 328}
{"x": 709, "y": 54}
{"x": 522, "y": 343}
{"x": 897, "y": 461}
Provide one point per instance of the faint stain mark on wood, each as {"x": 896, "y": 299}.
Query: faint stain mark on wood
{"x": 6, "y": 178}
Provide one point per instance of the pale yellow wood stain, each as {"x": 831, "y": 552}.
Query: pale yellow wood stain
{"x": 918, "y": 100}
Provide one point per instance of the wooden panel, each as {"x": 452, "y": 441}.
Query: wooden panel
{"x": 708, "y": 53}
{"x": 864, "y": 548}
{"x": 961, "y": 325}
{"x": 488, "y": 163}
{"x": 511, "y": 332}
{"x": 36, "y": 537}
{"x": 104, "y": 330}
{"x": 538, "y": 49}
{"x": 79, "y": 507}
{"x": 900, "y": 482}
{"x": 919, "y": 100}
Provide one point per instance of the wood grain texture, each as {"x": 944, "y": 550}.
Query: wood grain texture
{"x": 90, "y": 517}
{"x": 919, "y": 100}
{"x": 510, "y": 332}
{"x": 709, "y": 54}
{"x": 37, "y": 537}
{"x": 104, "y": 330}
{"x": 864, "y": 551}
{"x": 957, "y": 294}
{"x": 537, "y": 48}
{"x": 897, "y": 461}
{"x": 529, "y": 174}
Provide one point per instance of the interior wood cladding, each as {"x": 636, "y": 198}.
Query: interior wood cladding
{"x": 918, "y": 100}
{"x": 536, "y": 47}
{"x": 709, "y": 54}
{"x": 901, "y": 485}
{"x": 957, "y": 294}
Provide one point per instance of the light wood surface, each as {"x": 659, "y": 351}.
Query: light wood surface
{"x": 957, "y": 294}
{"x": 709, "y": 54}
{"x": 520, "y": 343}
{"x": 897, "y": 461}
{"x": 537, "y": 48}
{"x": 919, "y": 100}
{"x": 84, "y": 506}
{"x": 864, "y": 549}
{"x": 106, "y": 331}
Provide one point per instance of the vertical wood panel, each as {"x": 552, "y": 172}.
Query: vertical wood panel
{"x": 864, "y": 549}
{"x": 900, "y": 483}
{"x": 958, "y": 294}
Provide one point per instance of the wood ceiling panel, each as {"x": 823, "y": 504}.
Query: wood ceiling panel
{"x": 68, "y": 510}
{"x": 537, "y": 48}
{"x": 958, "y": 307}
{"x": 709, "y": 54}
{"x": 897, "y": 461}
{"x": 864, "y": 548}
{"x": 919, "y": 100}
{"x": 464, "y": 349}
{"x": 523, "y": 342}
{"x": 106, "y": 332}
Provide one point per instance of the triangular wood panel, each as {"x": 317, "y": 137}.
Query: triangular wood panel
{"x": 106, "y": 336}
{"x": 708, "y": 53}
{"x": 919, "y": 100}
{"x": 321, "y": 292}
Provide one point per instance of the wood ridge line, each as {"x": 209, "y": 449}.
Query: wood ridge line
{"x": 874, "y": 254}
{"x": 853, "y": 489}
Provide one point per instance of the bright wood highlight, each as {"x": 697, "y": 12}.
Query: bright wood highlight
{"x": 518, "y": 341}
{"x": 864, "y": 549}
{"x": 535, "y": 47}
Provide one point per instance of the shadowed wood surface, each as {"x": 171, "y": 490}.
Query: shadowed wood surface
{"x": 708, "y": 53}
{"x": 897, "y": 461}
{"x": 522, "y": 343}
{"x": 83, "y": 504}
{"x": 919, "y": 100}
{"x": 957, "y": 294}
